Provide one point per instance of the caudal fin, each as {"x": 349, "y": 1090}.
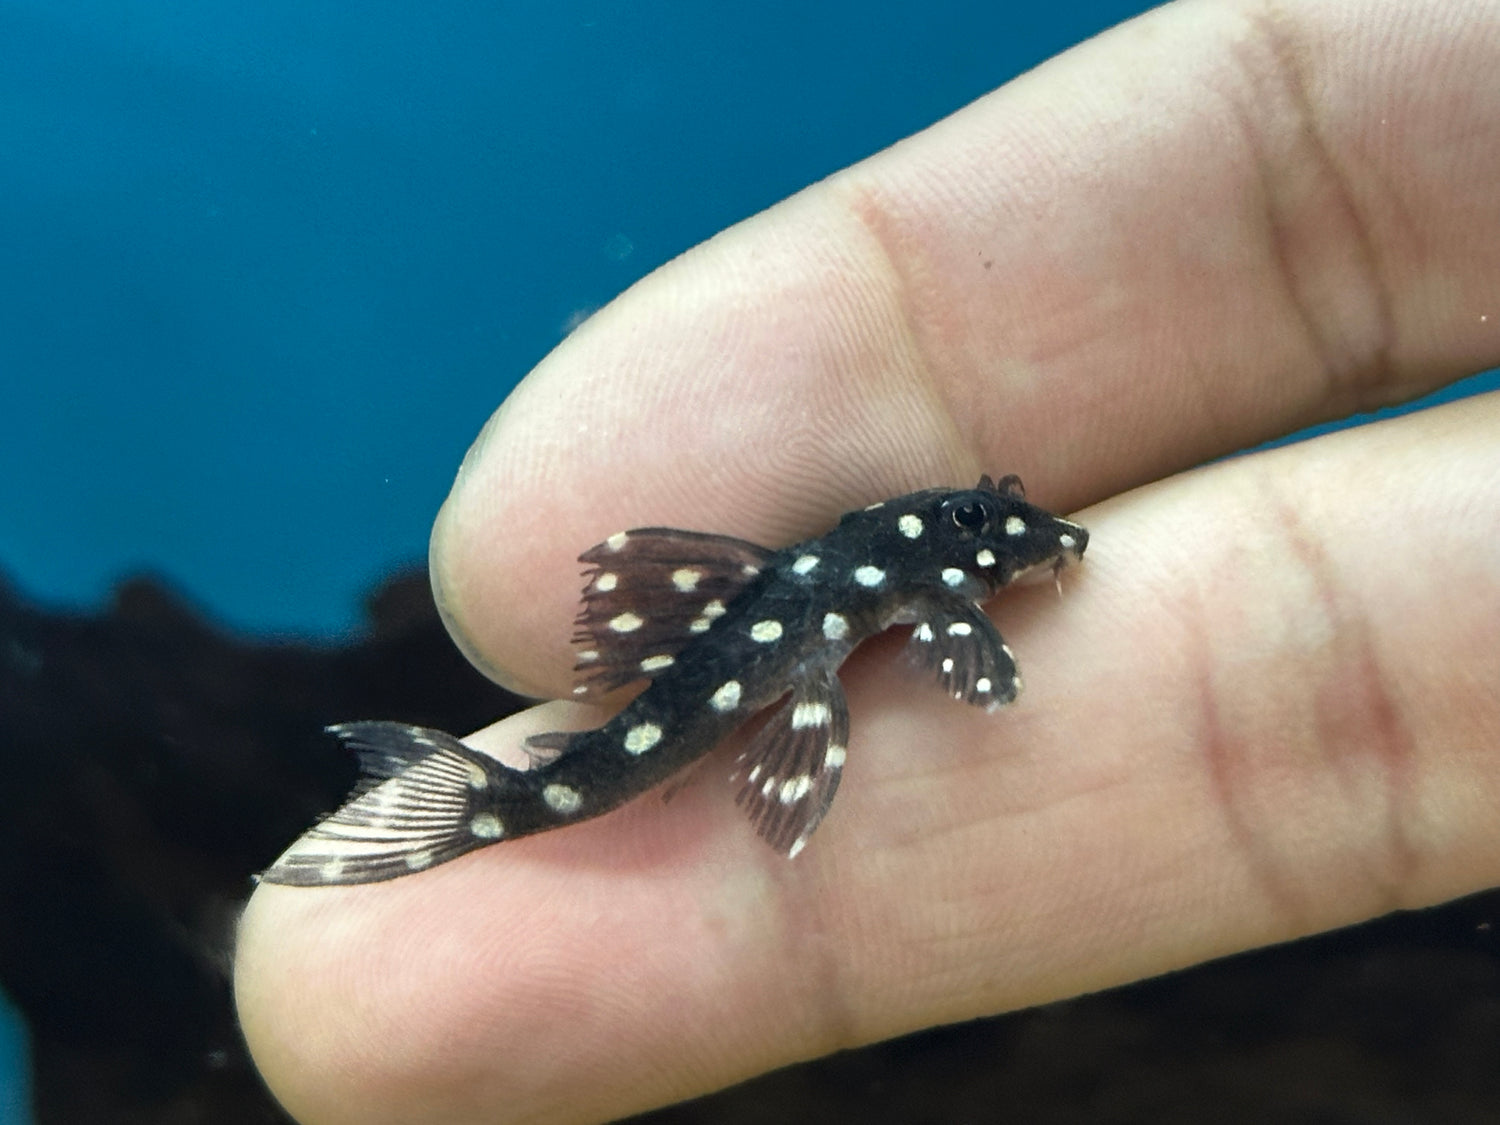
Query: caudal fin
{"x": 425, "y": 798}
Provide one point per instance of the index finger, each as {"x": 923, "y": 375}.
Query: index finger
{"x": 1140, "y": 256}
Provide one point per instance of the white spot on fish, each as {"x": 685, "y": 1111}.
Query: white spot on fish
{"x": 416, "y": 861}
{"x": 1015, "y": 685}
{"x": 948, "y": 664}
{"x": 478, "y": 779}
{"x": 606, "y": 582}
{"x": 486, "y": 826}
{"x": 833, "y": 757}
{"x": 727, "y": 698}
{"x": 639, "y": 739}
{"x": 331, "y": 870}
{"x": 795, "y": 788}
{"x": 1015, "y": 525}
{"x": 910, "y": 526}
{"x": 713, "y": 609}
{"x": 616, "y": 541}
{"x": 625, "y": 623}
{"x": 686, "y": 578}
{"x": 835, "y": 626}
{"x": 810, "y": 715}
{"x": 749, "y": 571}
{"x": 588, "y": 656}
{"x": 869, "y": 576}
{"x": 985, "y": 557}
{"x": 1066, "y": 542}
{"x": 766, "y": 631}
{"x": 982, "y": 684}
{"x": 699, "y": 625}
{"x": 805, "y": 564}
{"x": 562, "y": 798}
{"x": 952, "y": 576}
{"x": 580, "y": 689}
{"x": 960, "y": 629}
{"x": 923, "y": 632}
{"x": 657, "y": 663}
{"x": 875, "y": 506}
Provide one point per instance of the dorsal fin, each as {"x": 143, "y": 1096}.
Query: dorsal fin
{"x": 647, "y": 594}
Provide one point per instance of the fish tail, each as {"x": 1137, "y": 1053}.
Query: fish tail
{"x": 424, "y": 798}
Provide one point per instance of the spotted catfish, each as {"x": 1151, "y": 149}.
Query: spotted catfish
{"x": 721, "y": 628}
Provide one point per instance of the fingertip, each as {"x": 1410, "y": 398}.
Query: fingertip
{"x": 723, "y": 394}
{"x": 273, "y": 1000}
{"x": 453, "y": 598}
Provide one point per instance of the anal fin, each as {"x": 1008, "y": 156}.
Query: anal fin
{"x": 546, "y": 747}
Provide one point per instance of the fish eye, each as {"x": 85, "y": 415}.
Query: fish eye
{"x": 970, "y": 516}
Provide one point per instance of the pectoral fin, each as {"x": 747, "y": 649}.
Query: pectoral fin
{"x": 961, "y": 645}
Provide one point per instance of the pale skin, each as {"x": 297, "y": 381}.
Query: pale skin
{"x": 1264, "y": 706}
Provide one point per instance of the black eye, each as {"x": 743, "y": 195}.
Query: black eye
{"x": 970, "y": 517}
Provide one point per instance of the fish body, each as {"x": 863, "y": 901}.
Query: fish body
{"x": 721, "y": 628}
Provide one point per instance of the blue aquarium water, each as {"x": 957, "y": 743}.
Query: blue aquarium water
{"x": 268, "y": 267}
{"x": 14, "y": 1086}
{"x": 265, "y": 269}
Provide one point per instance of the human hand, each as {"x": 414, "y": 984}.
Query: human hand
{"x": 1265, "y": 705}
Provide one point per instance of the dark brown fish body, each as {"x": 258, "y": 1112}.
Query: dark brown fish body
{"x": 722, "y": 628}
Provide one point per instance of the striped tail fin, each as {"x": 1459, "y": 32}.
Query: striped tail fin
{"x": 424, "y": 798}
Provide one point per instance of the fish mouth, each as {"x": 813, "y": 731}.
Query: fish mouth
{"x": 1072, "y": 540}
{"x": 1038, "y": 574}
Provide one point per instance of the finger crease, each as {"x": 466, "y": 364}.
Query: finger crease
{"x": 1317, "y": 232}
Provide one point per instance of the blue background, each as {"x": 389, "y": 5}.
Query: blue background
{"x": 265, "y": 268}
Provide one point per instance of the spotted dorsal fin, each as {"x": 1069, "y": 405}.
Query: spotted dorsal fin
{"x": 647, "y": 594}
